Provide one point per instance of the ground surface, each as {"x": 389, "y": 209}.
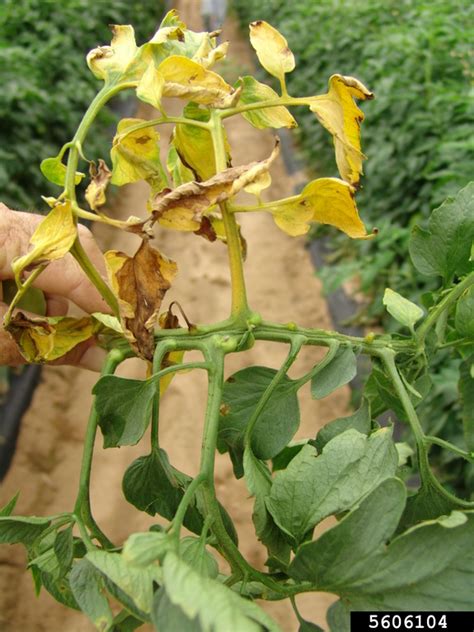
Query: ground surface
{"x": 281, "y": 285}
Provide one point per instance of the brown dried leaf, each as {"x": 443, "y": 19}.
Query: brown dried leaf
{"x": 182, "y": 208}
{"x": 140, "y": 283}
{"x": 100, "y": 177}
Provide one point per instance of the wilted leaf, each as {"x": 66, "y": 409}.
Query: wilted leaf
{"x": 110, "y": 62}
{"x": 339, "y": 114}
{"x": 194, "y": 144}
{"x": 335, "y": 369}
{"x": 325, "y": 200}
{"x": 140, "y": 283}
{"x": 404, "y": 311}
{"x": 207, "y": 54}
{"x": 54, "y": 170}
{"x": 150, "y": 87}
{"x": 182, "y": 208}
{"x": 176, "y": 168}
{"x": 186, "y": 79}
{"x": 429, "y": 567}
{"x": 254, "y": 92}
{"x": 313, "y": 487}
{"x": 52, "y": 239}
{"x": 46, "y": 339}
{"x": 272, "y": 49}
{"x": 136, "y": 156}
{"x": 95, "y": 192}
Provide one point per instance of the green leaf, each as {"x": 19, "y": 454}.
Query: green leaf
{"x": 7, "y": 509}
{"x": 404, "y": 311}
{"x": 314, "y": 487}
{"x": 88, "y": 589}
{"x": 125, "y": 622}
{"x": 428, "y": 567}
{"x": 339, "y": 370}
{"x": 142, "y": 549}
{"x": 444, "y": 249}
{"x": 464, "y": 319}
{"x": 259, "y": 484}
{"x": 124, "y": 408}
{"x": 341, "y": 554}
{"x": 151, "y": 484}
{"x": 359, "y": 421}
{"x": 55, "y": 171}
{"x": 466, "y": 390}
{"x": 278, "y": 421}
{"x": 64, "y": 550}
{"x": 167, "y": 617}
{"x": 14, "y": 529}
{"x": 215, "y": 606}
{"x": 338, "y": 618}
{"x": 193, "y": 552}
{"x": 136, "y": 582}
{"x": 254, "y": 92}
{"x": 60, "y": 590}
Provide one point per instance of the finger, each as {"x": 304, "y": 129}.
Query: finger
{"x": 63, "y": 277}
{"x": 56, "y": 305}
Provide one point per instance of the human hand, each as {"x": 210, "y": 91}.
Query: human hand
{"x": 62, "y": 281}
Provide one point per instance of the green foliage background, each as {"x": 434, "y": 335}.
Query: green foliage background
{"x": 46, "y": 84}
{"x": 417, "y": 58}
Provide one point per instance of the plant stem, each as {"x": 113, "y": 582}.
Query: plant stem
{"x": 295, "y": 347}
{"x": 443, "y": 305}
{"x": 22, "y": 289}
{"x": 93, "y": 275}
{"x": 271, "y": 103}
{"x": 184, "y": 503}
{"x": 82, "y": 508}
{"x": 161, "y": 350}
{"x": 178, "y": 120}
{"x": 469, "y": 456}
{"x": 333, "y": 346}
{"x": 239, "y": 309}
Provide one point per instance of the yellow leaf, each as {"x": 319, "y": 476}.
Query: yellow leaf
{"x": 272, "y": 49}
{"x": 150, "y": 86}
{"x": 174, "y": 357}
{"x": 327, "y": 201}
{"x": 194, "y": 144}
{"x": 110, "y": 62}
{"x": 95, "y": 192}
{"x": 183, "y": 207}
{"x": 136, "y": 156}
{"x": 339, "y": 114}
{"x": 46, "y": 339}
{"x": 255, "y": 92}
{"x": 52, "y": 239}
{"x": 54, "y": 170}
{"x": 178, "y": 172}
{"x": 207, "y": 54}
{"x": 140, "y": 283}
{"x": 187, "y": 79}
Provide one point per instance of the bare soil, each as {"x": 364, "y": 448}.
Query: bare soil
{"x": 281, "y": 286}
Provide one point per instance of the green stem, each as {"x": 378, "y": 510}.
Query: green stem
{"x": 93, "y": 275}
{"x": 443, "y": 305}
{"x": 239, "y": 309}
{"x": 271, "y": 103}
{"x": 175, "y": 527}
{"x": 161, "y": 350}
{"x": 179, "y": 120}
{"x": 22, "y": 289}
{"x": 469, "y": 456}
{"x": 333, "y": 346}
{"x": 82, "y": 508}
{"x": 295, "y": 347}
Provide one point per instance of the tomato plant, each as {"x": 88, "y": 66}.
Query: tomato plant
{"x": 395, "y": 545}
